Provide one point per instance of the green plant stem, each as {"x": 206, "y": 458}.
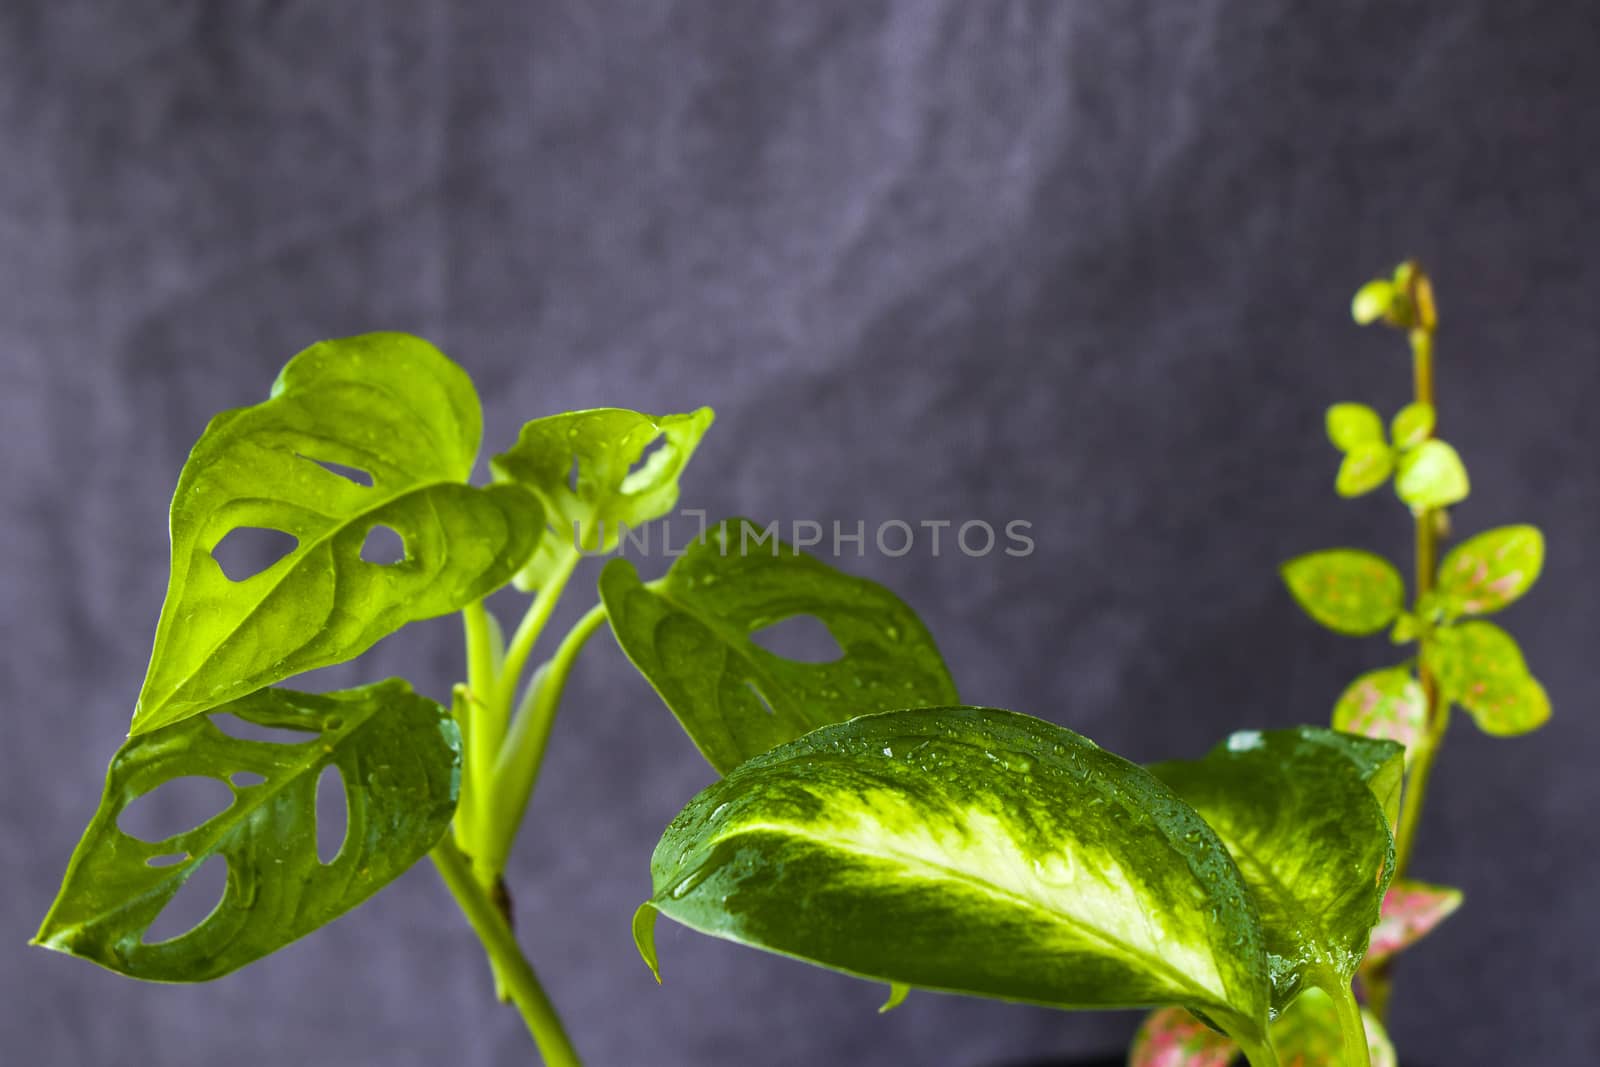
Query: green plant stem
{"x": 479, "y": 747}
{"x": 528, "y": 631}
{"x": 501, "y": 945}
{"x": 517, "y": 768}
{"x": 1379, "y": 982}
{"x": 1427, "y": 555}
{"x": 1259, "y": 1054}
{"x": 1352, "y": 1030}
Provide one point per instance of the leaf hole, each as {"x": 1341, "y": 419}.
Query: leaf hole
{"x": 572, "y": 475}
{"x": 171, "y": 859}
{"x": 332, "y": 814}
{"x": 197, "y": 900}
{"x": 804, "y": 638}
{"x": 646, "y": 470}
{"x": 760, "y": 698}
{"x": 246, "y": 551}
{"x": 349, "y": 474}
{"x": 245, "y": 730}
{"x": 383, "y": 546}
{"x": 246, "y": 779}
{"x": 175, "y": 807}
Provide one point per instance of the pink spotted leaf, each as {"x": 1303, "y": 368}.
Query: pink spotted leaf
{"x": 1387, "y": 704}
{"x": 1410, "y": 912}
{"x": 1485, "y": 573}
{"x": 1171, "y": 1037}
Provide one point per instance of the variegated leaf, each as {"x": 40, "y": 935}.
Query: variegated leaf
{"x": 1410, "y": 912}
{"x": 1485, "y": 573}
{"x": 1387, "y": 704}
{"x": 974, "y": 851}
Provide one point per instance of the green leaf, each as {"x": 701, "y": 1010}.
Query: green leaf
{"x": 398, "y": 756}
{"x": 1308, "y": 1033}
{"x": 1297, "y": 813}
{"x": 974, "y": 851}
{"x": 1365, "y": 467}
{"x": 1485, "y": 573}
{"x": 1431, "y": 476}
{"x": 1372, "y": 301}
{"x": 1387, "y": 704}
{"x": 1412, "y": 426}
{"x": 691, "y": 633}
{"x": 1346, "y": 590}
{"x": 611, "y": 488}
{"x": 1410, "y": 912}
{"x": 1480, "y": 667}
{"x": 1171, "y": 1037}
{"x": 1352, "y": 425}
{"x": 387, "y": 404}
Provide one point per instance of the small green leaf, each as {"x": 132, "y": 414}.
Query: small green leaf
{"x": 1372, "y": 301}
{"x": 1410, "y": 912}
{"x": 1407, "y": 629}
{"x": 585, "y": 467}
{"x": 691, "y": 633}
{"x": 1431, "y": 476}
{"x": 1171, "y": 1037}
{"x": 974, "y": 851}
{"x": 1412, "y": 426}
{"x": 1485, "y": 573}
{"x": 1346, "y": 590}
{"x": 398, "y": 755}
{"x": 1350, "y": 425}
{"x": 1297, "y": 813}
{"x": 1308, "y": 1033}
{"x": 1480, "y": 667}
{"x": 1387, "y": 704}
{"x": 1365, "y": 467}
{"x": 388, "y": 405}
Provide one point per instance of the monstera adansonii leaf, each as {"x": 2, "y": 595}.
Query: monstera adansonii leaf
{"x": 600, "y": 474}
{"x": 377, "y": 431}
{"x": 397, "y": 754}
{"x": 974, "y": 851}
{"x": 1308, "y": 815}
{"x": 692, "y": 634}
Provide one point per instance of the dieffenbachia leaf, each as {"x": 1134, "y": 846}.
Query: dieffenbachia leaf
{"x": 1410, "y": 912}
{"x": 1485, "y": 573}
{"x": 1431, "y": 476}
{"x": 1305, "y": 1035}
{"x": 1352, "y": 425}
{"x": 974, "y": 851}
{"x": 1346, "y": 589}
{"x": 386, "y": 404}
{"x": 1297, "y": 810}
{"x": 585, "y": 468}
{"x": 1480, "y": 667}
{"x": 1387, "y": 704}
{"x": 1412, "y": 426}
{"x": 398, "y": 755}
{"x": 1365, "y": 467}
{"x": 690, "y": 633}
{"x": 1171, "y": 1037}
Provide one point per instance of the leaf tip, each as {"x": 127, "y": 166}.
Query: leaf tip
{"x": 898, "y": 991}
{"x": 644, "y": 936}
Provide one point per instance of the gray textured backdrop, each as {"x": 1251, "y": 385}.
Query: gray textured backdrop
{"x": 1081, "y": 263}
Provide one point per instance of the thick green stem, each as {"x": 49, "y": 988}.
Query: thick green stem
{"x": 1352, "y": 1029}
{"x": 501, "y": 945}
{"x": 517, "y": 769}
{"x": 1259, "y": 1053}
